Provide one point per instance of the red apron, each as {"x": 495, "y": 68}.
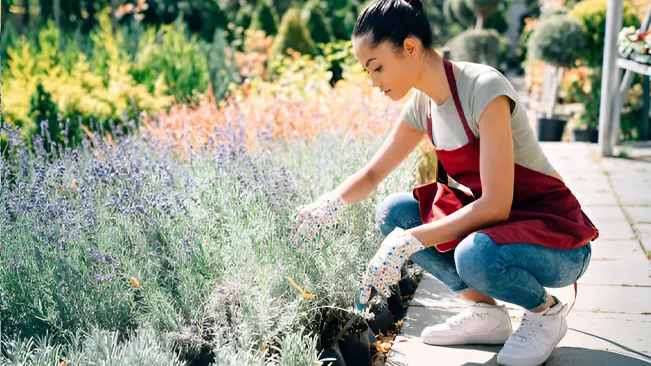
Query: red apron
{"x": 544, "y": 210}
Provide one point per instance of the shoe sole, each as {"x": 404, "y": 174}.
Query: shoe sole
{"x": 476, "y": 340}
{"x": 539, "y": 361}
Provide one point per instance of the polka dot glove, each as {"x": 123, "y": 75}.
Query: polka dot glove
{"x": 384, "y": 269}
{"x": 317, "y": 217}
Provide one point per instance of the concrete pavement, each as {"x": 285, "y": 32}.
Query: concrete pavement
{"x": 611, "y": 321}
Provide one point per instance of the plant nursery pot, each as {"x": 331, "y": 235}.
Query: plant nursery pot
{"x": 394, "y": 303}
{"x": 332, "y": 356}
{"x": 382, "y": 322}
{"x": 408, "y": 286}
{"x": 551, "y": 129}
{"x": 356, "y": 348}
{"x": 587, "y": 135}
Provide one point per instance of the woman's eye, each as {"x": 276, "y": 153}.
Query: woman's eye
{"x": 378, "y": 69}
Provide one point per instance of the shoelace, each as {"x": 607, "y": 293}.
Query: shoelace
{"x": 525, "y": 332}
{"x": 463, "y": 317}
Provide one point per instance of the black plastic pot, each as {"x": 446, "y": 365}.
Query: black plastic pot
{"x": 551, "y": 129}
{"x": 408, "y": 286}
{"x": 382, "y": 322}
{"x": 588, "y": 135}
{"x": 395, "y": 305}
{"x": 333, "y": 355}
{"x": 356, "y": 348}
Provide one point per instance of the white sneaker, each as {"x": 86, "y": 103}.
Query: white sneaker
{"x": 534, "y": 341}
{"x": 480, "y": 324}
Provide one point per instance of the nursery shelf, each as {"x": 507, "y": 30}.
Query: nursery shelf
{"x": 634, "y": 66}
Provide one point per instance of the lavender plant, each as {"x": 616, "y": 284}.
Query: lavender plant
{"x": 145, "y": 244}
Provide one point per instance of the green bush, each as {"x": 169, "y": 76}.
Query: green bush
{"x": 314, "y": 19}
{"x": 43, "y": 109}
{"x": 221, "y": 67}
{"x": 265, "y": 18}
{"x": 522, "y": 49}
{"x": 343, "y": 21}
{"x": 484, "y": 8}
{"x": 293, "y": 34}
{"x": 81, "y": 92}
{"x": 591, "y": 14}
{"x": 497, "y": 20}
{"x": 170, "y": 54}
{"x": 460, "y": 11}
{"x": 484, "y": 46}
{"x": 244, "y": 16}
{"x": 557, "y": 40}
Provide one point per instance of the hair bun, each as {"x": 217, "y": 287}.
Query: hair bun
{"x": 415, "y": 4}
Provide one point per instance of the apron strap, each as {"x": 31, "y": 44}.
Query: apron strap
{"x": 576, "y": 290}
{"x": 449, "y": 72}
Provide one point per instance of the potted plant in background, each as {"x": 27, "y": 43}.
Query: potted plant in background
{"x": 556, "y": 40}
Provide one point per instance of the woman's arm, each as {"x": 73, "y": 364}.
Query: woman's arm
{"x": 402, "y": 140}
{"x": 496, "y": 173}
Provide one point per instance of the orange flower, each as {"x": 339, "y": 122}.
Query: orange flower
{"x": 0, "y": 247}
{"x": 64, "y": 363}
{"x": 74, "y": 185}
{"x": 134, "y": 282}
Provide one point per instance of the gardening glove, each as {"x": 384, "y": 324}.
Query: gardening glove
{"x": 384, "y": 269}
{"x": 317, "y": 217}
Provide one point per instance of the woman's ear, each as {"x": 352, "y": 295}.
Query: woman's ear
{"x": 410, "y": 47}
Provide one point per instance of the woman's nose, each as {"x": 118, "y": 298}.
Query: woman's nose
{"x": 374, "y": 82}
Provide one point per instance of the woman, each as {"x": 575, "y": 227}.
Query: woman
{"x": 514, "y": 230}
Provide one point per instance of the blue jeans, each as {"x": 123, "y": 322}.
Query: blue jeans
{"x": 514, "y": 273}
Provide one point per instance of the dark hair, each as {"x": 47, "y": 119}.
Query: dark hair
{"x": 394, "y": 20}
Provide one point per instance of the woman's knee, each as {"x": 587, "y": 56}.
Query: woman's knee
{"x": 477, "y": 260}
{"x": 397, "y": 210}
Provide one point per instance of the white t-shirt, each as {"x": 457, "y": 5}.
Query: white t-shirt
{"x": 477, "y": 85}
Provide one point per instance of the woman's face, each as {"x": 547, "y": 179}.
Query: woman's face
{"x": 391, "y": 70}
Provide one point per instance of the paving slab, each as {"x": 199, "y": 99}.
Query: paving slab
{"x": 604, "y": 213}
{"x": 610, "y": 323}
{"x": 639, "y": 214}
{"x": 644, "y": 231}
{"x": 617, "y": 250}
{"x": 600, "y": 197}
{"x": 618, "y": 273}
{"x": 432, "y": 293}
{"x": 612, "y": 230}
{"x": 592, "y": 339}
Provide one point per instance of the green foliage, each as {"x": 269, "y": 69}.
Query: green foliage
{"x": 461, "y": 12}
{"x": 497, "y": 20}
{"x": 170, "y": 55}
{"x": 244, "y": 16}
{"x": 484, "y": 8}
{"x": 293, "y": 34}
{"x": 314, "y": 18}
{"x": 484, "y": 46}
{"x": 343, "y": 21}
{"x": 339, "y": 54}
{"x": 221, "y": 64}
{"x": 8, "y": 39}
{"x": 43, "y": 109}
{"x": 265, "y": 18}
{"x": 591, "y": 14}
{"x": 557, "y": 40}
{"x": 107, "y": 91}
{"x": 522, "y": 48}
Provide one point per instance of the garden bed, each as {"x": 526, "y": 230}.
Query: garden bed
{"x": 173, "y": 257}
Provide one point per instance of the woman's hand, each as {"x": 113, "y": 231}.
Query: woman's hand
{"x": 317, "y": 217}
{"x": 384, "y": 269}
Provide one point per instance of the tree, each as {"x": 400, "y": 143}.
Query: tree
{"x": 557, "y": 40}
{"x": 314, "y": 18}
{"x": 293, "y": 34}
{"x": 265, "y": 18}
